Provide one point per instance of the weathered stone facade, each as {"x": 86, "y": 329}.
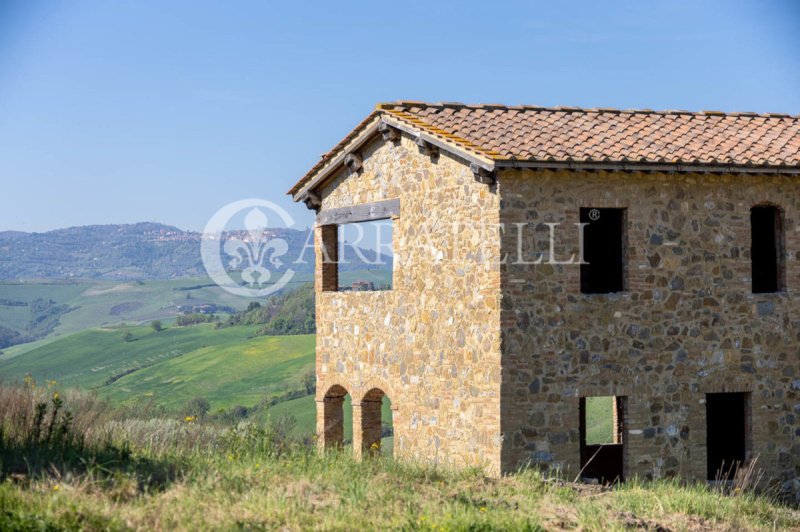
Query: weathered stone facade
{"x": 432, "y": 344}
{"x": 486, "y": 360}
{"x": 687, "y": 325}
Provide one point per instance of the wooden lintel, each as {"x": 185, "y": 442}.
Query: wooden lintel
{"x": 380, "y": 210}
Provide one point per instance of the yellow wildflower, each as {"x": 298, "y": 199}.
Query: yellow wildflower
{"x": 189, "y": 419}
{"x": 56, "y": 487}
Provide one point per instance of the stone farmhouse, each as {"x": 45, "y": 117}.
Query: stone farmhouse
{"x": 548, "y": 257}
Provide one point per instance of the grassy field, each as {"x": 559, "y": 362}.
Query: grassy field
{"x": 106, "y": 303}
{"x": 599, "y": 420}
{"x": 97, "y": 303}
{"x": 100, "y": 471}
{"x": 225, "y": 366}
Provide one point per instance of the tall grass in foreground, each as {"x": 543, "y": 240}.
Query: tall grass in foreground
{"x": 104, "y": 469}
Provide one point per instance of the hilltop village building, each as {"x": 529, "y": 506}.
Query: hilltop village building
{"x": 679, "y": 307}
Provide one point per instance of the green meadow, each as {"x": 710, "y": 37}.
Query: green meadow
{"x": 227, "y": 366}
{"x": 101, "y": 303}
{"x": 104, "y": 469}
{"x": 599, "y": 420}
{"x": 105, "y": 303}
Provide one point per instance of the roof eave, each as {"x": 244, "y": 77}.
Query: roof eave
{"x": 309, "y": 182}
{"x": 624, "y": 166}
{"x": 369, "y": 130}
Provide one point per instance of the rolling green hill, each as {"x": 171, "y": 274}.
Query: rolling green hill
{"x": 95, "y": 303}
{"x": 232, "y": 372}
{"x": 226, "y": 366}
{"x": 101, "y": 303}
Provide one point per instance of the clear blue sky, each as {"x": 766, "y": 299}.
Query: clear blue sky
{"x": 134, "y": 110}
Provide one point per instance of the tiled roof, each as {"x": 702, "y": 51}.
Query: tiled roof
{"x": 574, "y": 135}
{"x": 571, "y": 134}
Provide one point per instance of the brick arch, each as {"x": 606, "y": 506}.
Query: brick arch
{"x": 336, "y": 390}
{"x": 330, "y": 417}
{"x": 374, "y": 394}
{"x": 372, "y": 384}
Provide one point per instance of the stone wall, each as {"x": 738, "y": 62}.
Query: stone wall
{"x": 687, "y": 325}
{"x": 432, "y": 344}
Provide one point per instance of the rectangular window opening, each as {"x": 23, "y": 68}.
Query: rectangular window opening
{"x": 766, "y": 249}
{"x": 358, "y": 257}
{"x": 727, "y": 433}
{"x": 602, "y": 449}
{"x": 604, "y": 249}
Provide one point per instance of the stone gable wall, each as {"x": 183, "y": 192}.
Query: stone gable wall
{"x": 432, "y": 344}
{"x": 687, "y": 325}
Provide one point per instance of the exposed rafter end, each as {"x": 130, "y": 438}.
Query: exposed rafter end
{"x": 482, "y": 175}
{"x": 389, "y": 133}
{"x": 312, "y": 200}
{"x": 353, "y": 162}
{"x": 427, "y": 148}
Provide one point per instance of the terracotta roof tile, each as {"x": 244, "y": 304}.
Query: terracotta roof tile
{"x": 562, "y": 133}
{"x": 531, "y": 133}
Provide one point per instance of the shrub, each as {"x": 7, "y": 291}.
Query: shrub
{"x": 198, "y": 407}
{"x": 239, "y": 412}
{"x": 156, "y": 325}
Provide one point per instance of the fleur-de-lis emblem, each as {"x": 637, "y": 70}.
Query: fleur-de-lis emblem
{"x": 258, "y": 248}
{"x": 254, "y": 253}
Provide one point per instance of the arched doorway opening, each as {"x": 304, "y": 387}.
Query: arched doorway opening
{"x": 335, "y": 429}
{"x": 376, "y": 427}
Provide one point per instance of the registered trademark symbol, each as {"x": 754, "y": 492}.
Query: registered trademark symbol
{"x": 594, "y": 214}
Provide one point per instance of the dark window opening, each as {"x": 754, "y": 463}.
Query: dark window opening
{"x": 602, "y": 427}
{"x": 726, "y": 433}
{"x": 603, "y": 251}
{"x": 766, "y": 249}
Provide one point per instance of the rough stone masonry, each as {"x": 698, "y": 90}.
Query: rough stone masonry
{"x": 489, "y": 359}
